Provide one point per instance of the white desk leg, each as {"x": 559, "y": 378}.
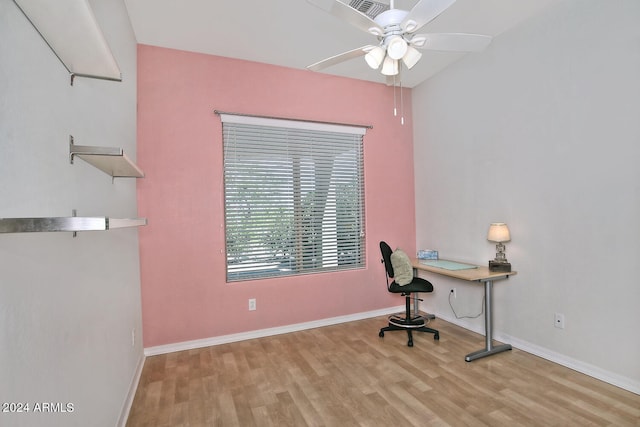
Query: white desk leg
{"x": 489, "y": 348}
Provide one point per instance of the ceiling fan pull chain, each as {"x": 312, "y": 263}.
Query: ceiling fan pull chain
{"x": 401, "y": 105}
{"x": 395, "y": 107}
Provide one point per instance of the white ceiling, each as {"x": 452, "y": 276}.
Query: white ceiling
{"x": 294, "y": 33}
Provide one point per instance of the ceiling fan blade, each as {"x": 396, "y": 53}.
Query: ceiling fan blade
{"x": 451, "y": 42}
{"x": 345, "y": 56}
{"x": 423, "y": 13}
{"x": 347, "y": 13}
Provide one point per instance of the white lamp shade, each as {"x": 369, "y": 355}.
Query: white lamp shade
{"x": 498, "y": 232}
{"x": 389, "y": 67}
{"x": 412, "y": 57}
{"x": 375, "y": 57}
{"x": 397, "y": 47}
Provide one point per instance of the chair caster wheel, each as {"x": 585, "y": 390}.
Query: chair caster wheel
{"x": 436, "y": 336}
{"x": 381, "y": 334}
{"x": 410, "y": 343}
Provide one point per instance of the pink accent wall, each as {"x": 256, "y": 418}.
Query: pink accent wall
{"x": 184, "y": 293}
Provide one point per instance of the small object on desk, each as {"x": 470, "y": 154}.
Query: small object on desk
{"x": 448, "y": 265}
{"x": 499, "y": 233}
{"x": 504, "y": 267}
{"x": 427, "y": 254}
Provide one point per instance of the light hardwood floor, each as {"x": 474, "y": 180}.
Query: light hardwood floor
{"x": 345, "y": 375}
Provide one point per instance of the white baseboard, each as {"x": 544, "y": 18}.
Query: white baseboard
{"x": 577, "y": 365}
{"x": 126, "y": 408}
{"x": 552, "y": 356}
{"x": 206, "y": 342}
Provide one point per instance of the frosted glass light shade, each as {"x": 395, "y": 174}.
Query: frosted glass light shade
{"x": 397, "y": 47}
{"x": 389, "y": 67}
{"x": 412, "y": 57}
{"x": 375, "y": 57}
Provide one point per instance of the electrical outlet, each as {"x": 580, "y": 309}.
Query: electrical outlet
{"x": 133, "y": 337}
{"x": 252, "y": 304}
{"x": 453, "y": 291}
{"x": 558, "y": 321}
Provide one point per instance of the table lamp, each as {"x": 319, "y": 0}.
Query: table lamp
{"x": 499, "y": 233}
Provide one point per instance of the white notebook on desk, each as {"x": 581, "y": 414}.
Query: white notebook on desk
{"x": 447, "y": 265}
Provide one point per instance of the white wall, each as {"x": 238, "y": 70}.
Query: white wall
{"x": 67, "y": 305}
{"x": 541, "y": 131}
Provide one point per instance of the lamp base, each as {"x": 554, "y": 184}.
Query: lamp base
{"x": 499, "y": 266}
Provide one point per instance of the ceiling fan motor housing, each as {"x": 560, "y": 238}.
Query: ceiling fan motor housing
{"x": 389, "y": 21}
{"x": 392, "y": 35}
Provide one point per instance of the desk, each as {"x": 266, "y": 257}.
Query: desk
{"x": 482, "y": 275}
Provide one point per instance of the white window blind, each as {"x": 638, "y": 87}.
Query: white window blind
{"x": 294, "y": 197}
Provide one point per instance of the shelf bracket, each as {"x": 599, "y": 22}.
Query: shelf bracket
{"x": 73, "y": 214}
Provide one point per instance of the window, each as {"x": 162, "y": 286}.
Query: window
{"x": 294, "y": 197}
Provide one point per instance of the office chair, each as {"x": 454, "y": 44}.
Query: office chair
{"x": 416, "y": 284}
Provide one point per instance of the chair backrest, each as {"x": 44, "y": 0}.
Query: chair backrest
{"x": 386, "y": 258}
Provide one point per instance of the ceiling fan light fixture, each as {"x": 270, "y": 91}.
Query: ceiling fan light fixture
{"x": 389, "y": 66}
{"x": 396, "y": 47}
{"x": 412, "y": 57}
{"x": 375, "y": 57}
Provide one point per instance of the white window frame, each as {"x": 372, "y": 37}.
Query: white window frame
{"x": 293, "y": 196}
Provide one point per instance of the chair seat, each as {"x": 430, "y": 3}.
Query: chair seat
{"x": 417, "y": 285}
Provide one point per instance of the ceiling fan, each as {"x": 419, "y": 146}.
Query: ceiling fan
{"x": 395, "y": 28}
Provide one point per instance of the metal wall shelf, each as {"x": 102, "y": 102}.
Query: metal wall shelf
{"x": 71, "y": 223}
{"x": 111, "y": 161}
{"x": 71, "y": 30}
